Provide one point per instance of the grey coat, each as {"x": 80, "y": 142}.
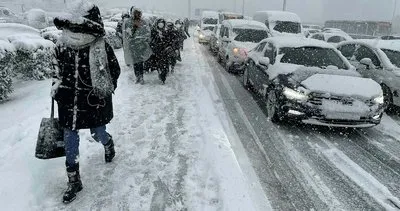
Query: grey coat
{"x": 136, "y": 44}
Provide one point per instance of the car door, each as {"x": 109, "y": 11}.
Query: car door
{"x": 254, "y": 57}
{"x": 363, "y": 52}
{"x": 262, "y": 71}
{"x": 225, "y": 43}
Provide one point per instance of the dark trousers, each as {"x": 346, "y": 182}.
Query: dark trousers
{"x": 139, "y": 68}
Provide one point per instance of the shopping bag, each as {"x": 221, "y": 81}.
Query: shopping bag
{"x": 50, "y": 143}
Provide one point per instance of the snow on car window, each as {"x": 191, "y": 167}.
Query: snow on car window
{"x": 312, "y": 57}
{"x": 288, "y": 27}
{"x": 394, "y": 56}
{"x": 250, "y": 35}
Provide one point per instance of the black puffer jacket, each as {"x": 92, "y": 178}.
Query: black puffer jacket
{"x": 159, "y": 40}
{"x": 78, "y": 107}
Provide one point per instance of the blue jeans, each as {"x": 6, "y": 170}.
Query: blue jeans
{"x": 71, "y": 139}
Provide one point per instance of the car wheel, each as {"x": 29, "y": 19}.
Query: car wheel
{"x": 387, "y": 98}
{"x": 273, "y": 107}
{"x": 246, "y": 82}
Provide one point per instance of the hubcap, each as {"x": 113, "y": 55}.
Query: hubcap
{"x": 271, "y": 102}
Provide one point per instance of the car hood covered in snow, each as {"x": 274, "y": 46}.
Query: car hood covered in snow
{"x": 332, "y": 81}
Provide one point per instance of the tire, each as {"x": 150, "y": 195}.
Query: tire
{"x": 273, "y": 109}
{"x": 246, "y": 82}
{"x": 387, "y": 98}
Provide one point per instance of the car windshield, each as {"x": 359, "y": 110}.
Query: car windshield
{"x": 394, "y": 56}
{"x": 250, "y": 35}
{"x": 210, "y": 21}
{"x": 312, "y": 57}
{"x": 288, "y": 27}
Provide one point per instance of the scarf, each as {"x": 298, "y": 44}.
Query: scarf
{"x": 101, "y": 79}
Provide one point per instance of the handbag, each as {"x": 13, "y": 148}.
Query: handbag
{"x": 50, "y": 143}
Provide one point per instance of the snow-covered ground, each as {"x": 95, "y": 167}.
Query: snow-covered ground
{"x": 173, "y": 148}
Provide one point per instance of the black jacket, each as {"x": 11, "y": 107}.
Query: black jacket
{"x": 159, "y": 40}
{"x": 78, "y": 107}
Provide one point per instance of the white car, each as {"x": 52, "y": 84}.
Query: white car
{"x": 205, "y": 34}
{"x": 331, "y": 37}
{"x": 237, "y": 38}
{"x": 310, "y": 81}
{"x": 280, "y": 23}
{"x": 379, "y": 60}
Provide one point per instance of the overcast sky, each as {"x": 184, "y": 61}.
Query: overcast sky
{"x": 308, "y": 10}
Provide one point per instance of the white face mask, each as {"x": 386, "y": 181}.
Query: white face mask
{"x": 160, "y": 25}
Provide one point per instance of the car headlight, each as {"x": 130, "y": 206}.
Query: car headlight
{"x": 294, "y": 95}
{"x": 201, "y": 36}
{"x": 379, "y": 100}
{"x": 235, "y": 51}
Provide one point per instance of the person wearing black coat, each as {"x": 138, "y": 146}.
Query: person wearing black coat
{"x": 158, "y": 44}
{"x": 172, "y": 44}
{"x": 86, "y": 77}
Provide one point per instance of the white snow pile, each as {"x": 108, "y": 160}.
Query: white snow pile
{"x": 111, "y": 24}
{"x": 32, "y": 45}
{"x": 5, "y": 47}
{"x": 52, "y": 35}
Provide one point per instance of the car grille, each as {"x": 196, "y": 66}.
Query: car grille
{"x": 316, "y": 99}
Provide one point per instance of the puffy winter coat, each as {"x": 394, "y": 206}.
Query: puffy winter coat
{"x": 136, "y": 42}
{"x": 78, "y": 107}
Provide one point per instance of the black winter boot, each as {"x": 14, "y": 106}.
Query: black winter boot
{"x": 74, "y": 186}
{"x": 109, "y": 151}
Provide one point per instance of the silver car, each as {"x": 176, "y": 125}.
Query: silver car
{"x": 378, "y": 60}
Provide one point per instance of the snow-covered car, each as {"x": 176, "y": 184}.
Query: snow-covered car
{"x": 332, "y": 30}
{"x": 390, "y": 37}
{"x": 331, "y": 37}
{"x": 310, "y": 81}
{"x": 379, "y": 60}
{"x": 214, "y": 39}
{"x": 237, "y": 38}
{"x": 280, "y": 23}
{"x": 205, "y": 34}
{"x": 311, "y": 26}
{"x": 8, "y": 16}
{"x": 309, "y": 32}
{"x": 37, "y": 18}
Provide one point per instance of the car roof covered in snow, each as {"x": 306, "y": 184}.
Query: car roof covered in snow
{"x": 334, "y": 34}
{"x": 209, "y": 14}
{"x": 9, "y": 29}
{"x": 245, "y": 24}
{"x": 280, "y": 16}
{"x": 297, "y": 42}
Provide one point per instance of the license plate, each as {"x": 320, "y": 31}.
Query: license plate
{"x": 343, "y": 116}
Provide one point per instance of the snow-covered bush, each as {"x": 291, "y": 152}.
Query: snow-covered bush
{"x": 112, "y": 38}
{"x": 6, "y": 66}
{"x": 33, "y": 58}
{"x": 51, "y": 33}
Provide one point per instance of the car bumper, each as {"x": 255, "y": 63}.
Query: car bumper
{"x": 237, "y": 64}
{"x": 316, "y": 115}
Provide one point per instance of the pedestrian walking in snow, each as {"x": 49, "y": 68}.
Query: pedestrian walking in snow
{"x": 137, "y": 35}
{"x": 158, "y": 45}
{"x": 172, "y": 44}
{"x": 86, "y": 77}
{"x": 186, "y": 24}
{"x": 181, "y": 37}
{"x": 120, "y": 24}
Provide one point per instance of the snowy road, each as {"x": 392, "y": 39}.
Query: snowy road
{"x": 313, "y": 168}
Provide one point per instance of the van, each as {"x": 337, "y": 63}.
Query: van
{"x": 280, "y": 22}
{"x": 209, "y": 18}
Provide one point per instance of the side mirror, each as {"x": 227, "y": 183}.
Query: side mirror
{"x": 264, "y": 61}
{"x": 367, "y": 62}
{"x": 226, "y": 39}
